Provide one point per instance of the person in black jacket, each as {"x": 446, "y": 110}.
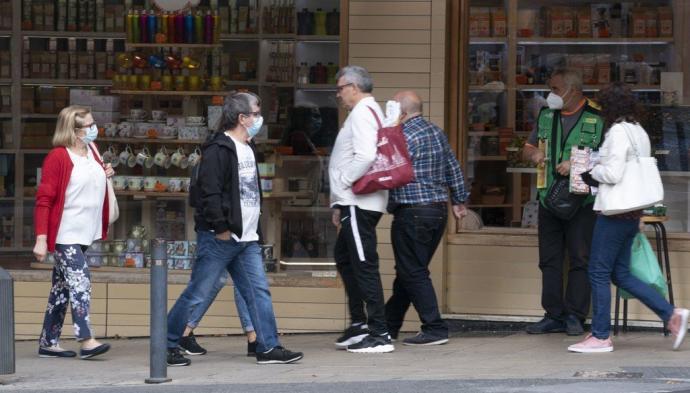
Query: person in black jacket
{"x": 227, "y": 197}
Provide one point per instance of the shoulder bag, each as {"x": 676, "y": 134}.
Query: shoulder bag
{"x": 113, "y": 208}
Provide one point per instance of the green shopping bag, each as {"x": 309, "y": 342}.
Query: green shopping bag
{"x": 645, "y": 266}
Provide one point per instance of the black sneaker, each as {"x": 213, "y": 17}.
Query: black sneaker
{"x": 190, "y": 346}
{"x": 573, "y": 326}
{"x": 425, "y": 339}
{"x": 352, "y": 335}
{"x": 546, "y": 325}
{"x": 251, "y": 348}
{"x": 278, "y": 355}
{"x": 373, "y": 344}
{"x": 175, "y": 358}
{"x": 55, "y": 352}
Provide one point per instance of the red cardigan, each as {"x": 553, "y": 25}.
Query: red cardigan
{"x": 50, "y": 198}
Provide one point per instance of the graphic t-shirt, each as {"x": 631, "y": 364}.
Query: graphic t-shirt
{"x": 249, "y": 192}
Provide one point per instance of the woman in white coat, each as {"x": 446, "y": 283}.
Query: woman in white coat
{"x": 614, "y": 233}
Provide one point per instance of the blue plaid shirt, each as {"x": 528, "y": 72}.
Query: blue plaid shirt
{"x": 436, "y": 169}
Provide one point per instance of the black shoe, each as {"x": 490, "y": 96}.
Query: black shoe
{"x": 373, "y": 344}
{"x": 425, "y": 339}
{"x": 89, "y": 353}
{"x": 51, "y": 352}
{"x": 573, "y": 326}
{"x": 251, "y": 348}
{"x": 278, "y": 355}
{"x": 546, "y": 325}
{"x": 190, "y": 346}
{"x": 175, "y": 358}
{"x": 352, "y": 335}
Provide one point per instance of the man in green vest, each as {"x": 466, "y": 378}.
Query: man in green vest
{"x": 571, "y": 120}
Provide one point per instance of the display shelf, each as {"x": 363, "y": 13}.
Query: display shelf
{"x": 134, "y": 141}
{"x": 633, "y": 87}
{"x": 5, "y": 115}
{"x": 5, "y": 33}
{"x": 129, "y": 45}
{"x": 242, "y": 83}
{"x": 286, "y": 36}
{"x": 594, "y": 41}
{"x": 487, "y": 89}
{"x": 168, "y": 93}
{"x": 240, "y": 37}
{"x": 39, "y": 116}
{"x": 4, "y": 199}
{"x": 66, "y": 82}
{"x": 302, "y": 158}
{"x": 278, "y": 84}
{"x": 307, "y": 209}
{"x": 317, "y": 87}
{"x": 151, "y": 194}
{"x": 318, "y": 38}
{"x": 521, "y": 170}
{"x": 488, "y": 40}
{"x": 675, "y": 173}
{"x": 5, "y": 81}
{"x": 482, "y": 133}
{"x": 487, "y": 158}
{"x": 74, "y": 34}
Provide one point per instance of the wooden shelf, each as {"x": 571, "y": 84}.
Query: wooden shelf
{"x": 594, "y": 41}
{"x": 171, "y": 45}
{"x": 633, "y": 87}
{"x": 284, "y": 36}
{"x": 151, "y": 140}
{"x": 317, "y": 87}
{"x": 487, "y": 88}
{"x": 168, "y": 93}
{"x": 5, "y": 81}
{"x": 319, "y": 38}
{"x": 278, "y": 84}
{"x": 242, "y": 83}
{"x": 39, "y": 116}
{"x": 75, "y": 34}
{"x": 488, "y": 40}
{"x": 68, "y": 82}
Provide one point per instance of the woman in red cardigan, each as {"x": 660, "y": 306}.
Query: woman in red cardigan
{"x": 71, "y": 212}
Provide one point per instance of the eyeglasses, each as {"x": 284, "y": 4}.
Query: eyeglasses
{"x": 85, "y": 126}
{"x": 340, "y": 88}
{"x": 255, "y": 114}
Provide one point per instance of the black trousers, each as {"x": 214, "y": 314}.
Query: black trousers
{"x": 415, "y": 234}
{"x": 357, "y": 262}
{"x": 555, "y": 237}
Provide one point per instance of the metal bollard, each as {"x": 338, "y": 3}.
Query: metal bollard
{"x": 7, "y": 361}
{"x": 158, "y": 366}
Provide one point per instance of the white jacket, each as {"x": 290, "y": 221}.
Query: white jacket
{"x": 353, "y": 154}
{"x": 615, "y": 152}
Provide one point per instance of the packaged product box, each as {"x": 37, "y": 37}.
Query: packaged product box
{"x": 601, "y": 20}
{"x": 603, "y": 69}
{"x": 37, "y": 13}
{"x": 134, "y": 259}
{"x": 638, "y": 22}
{"x": 105, "y": 117}
{"x": 215, "y": 114}
{"x": 651, "y": 24}
{"x": 6, "y": 15}
{"x": 119, "y": 19}
{"x": 498, "y": 22}
{"x": 103, "y": 103}
{"x": 49, "y": 16}
{"x": 81, "y": 96}
{"x": 483, "y": 20}
{"x": 178, "y": 248}
{"x": 568, "y": 16}
{"x": 665, "y": 22}
{"x": 553, "y": 21}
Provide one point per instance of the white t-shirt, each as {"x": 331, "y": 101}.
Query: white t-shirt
{"x": 249, "y": 192}
{"x": 82, "y": 216}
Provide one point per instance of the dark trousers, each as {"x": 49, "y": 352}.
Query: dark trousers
{"x": 416, "y": 233}
{"x": 555, "y": 237}
{"x": 357, "y": 262}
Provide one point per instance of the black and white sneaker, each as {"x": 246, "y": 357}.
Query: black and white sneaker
{"x": 251, "y": 348}
{"x": 425, "y": 339}
{"x": 190, "y": 346}
{"x": 373, "y": 344}
{"x": 278, "y": 355}
{"x": 175, "y": 358}
{"x": 352, "y": 335}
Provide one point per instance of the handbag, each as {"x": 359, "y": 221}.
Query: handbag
{"x": 639, "y": 188}
{"x": 559, "y": 200}
{"x": 645, "y": 266}
{"x": 392, "y": 167}
{"x": 113, "y": 208}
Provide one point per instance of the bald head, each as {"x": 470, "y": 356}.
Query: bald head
{"x": 410, "y": 103}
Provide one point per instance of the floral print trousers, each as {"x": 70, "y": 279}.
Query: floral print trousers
{"x": 71, "y": 283}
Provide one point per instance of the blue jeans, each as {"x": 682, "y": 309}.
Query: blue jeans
{"x": 610, "y": 261}
{"x": 199, "y": 310}
{"x": 243, "y": 261}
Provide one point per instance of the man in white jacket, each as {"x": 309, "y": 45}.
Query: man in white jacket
{"x": 356, "y": 216}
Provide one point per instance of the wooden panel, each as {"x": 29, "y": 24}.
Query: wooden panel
{"x": 389, "y": 36}
{"x": 418, "y": 51}
{"x": 390, "y": 22}
{"x": 389, "y": 8}
{"x": 388, "y": 93}
{"x": 400, "y": 80}
{"x": 392, "y": 65}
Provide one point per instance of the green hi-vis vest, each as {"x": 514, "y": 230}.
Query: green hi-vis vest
{"x": 587, "y": 132}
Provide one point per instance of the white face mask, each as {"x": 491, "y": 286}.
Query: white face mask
{"x": 554, "y": 101}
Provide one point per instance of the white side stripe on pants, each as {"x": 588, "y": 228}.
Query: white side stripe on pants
{"x": 355, "y": 233}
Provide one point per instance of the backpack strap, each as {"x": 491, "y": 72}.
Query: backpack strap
{"x": 375, "y": 116}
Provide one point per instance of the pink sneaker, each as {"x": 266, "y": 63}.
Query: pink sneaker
{"x": 592, "y": 344}
{"x": 678, "y": 325}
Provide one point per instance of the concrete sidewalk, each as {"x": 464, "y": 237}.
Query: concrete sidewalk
{"x": 640, "y": 357}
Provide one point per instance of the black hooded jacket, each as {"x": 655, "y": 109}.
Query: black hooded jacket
{"x": 216, "y": 193}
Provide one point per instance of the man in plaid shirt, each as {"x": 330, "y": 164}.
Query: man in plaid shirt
{"x": 420, "y": 211}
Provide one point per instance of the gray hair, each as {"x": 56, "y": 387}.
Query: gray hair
{"x": 571, "y": 77}
{"x": 358, "y": 76}
{"x": 237, "y": 103}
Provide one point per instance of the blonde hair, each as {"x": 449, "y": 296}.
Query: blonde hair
{"x": 69, "y": 120}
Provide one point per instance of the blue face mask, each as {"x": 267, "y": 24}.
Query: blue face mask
{"x": 256, "y": 127}
{"x": 91, "y": 134}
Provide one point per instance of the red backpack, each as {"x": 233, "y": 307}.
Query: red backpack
{"x": 393, "y": 166}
